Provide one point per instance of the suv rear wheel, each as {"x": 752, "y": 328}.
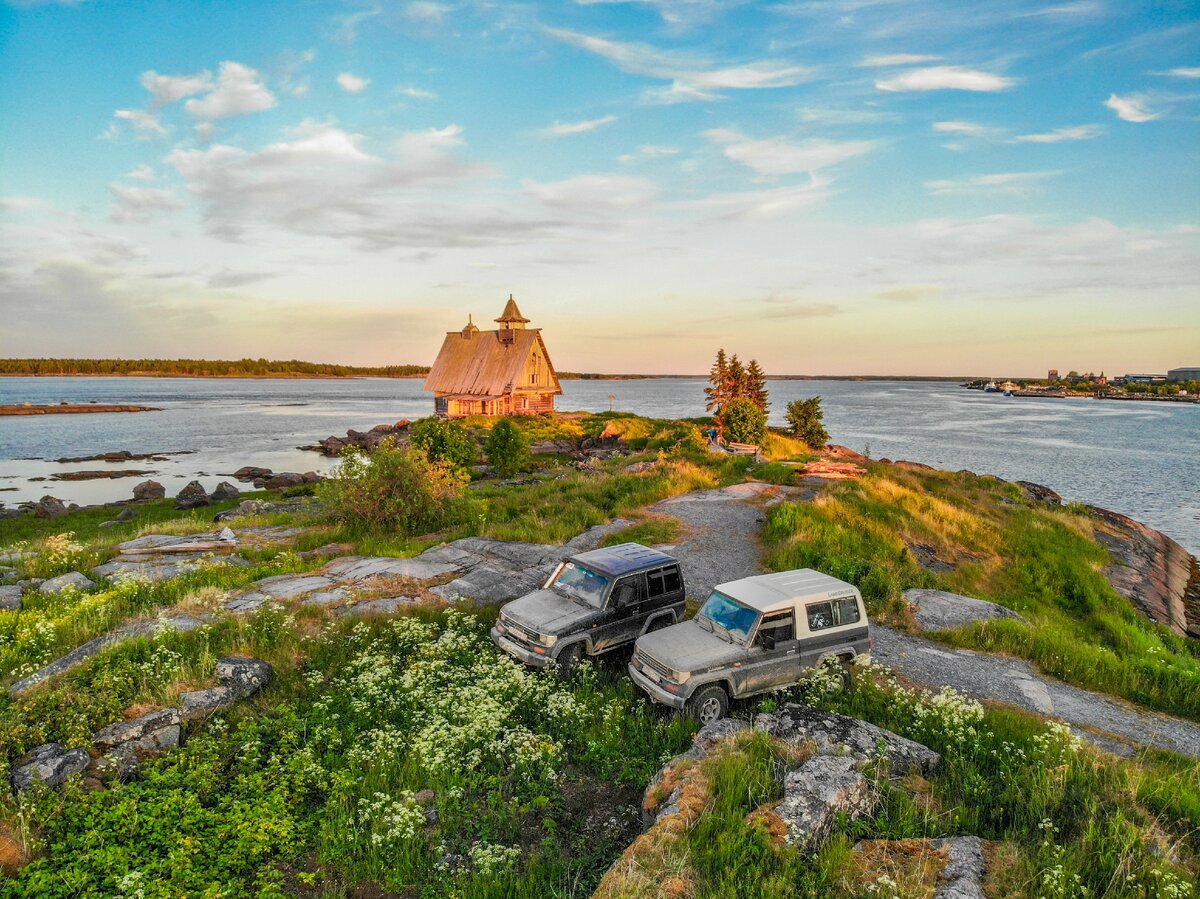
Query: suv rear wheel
{"x": 708, "y": 704}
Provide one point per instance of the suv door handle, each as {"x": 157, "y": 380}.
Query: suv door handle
{"x": 790, "y": 652}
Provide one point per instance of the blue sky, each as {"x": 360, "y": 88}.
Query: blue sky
{"x": 834, "y": 186}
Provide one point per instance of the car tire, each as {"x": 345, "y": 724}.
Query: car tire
{"x": 659, "y": 623}
{"x": 847, "y": 676}
{"x": 708, "y": 704}
{"x": 568, "y": 659}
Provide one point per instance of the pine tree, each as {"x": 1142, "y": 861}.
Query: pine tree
{"x": 736, "y": 382}
{"x": 756, "y": 385}
{"x": 716, "y": 396}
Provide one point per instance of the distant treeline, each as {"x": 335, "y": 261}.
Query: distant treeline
{"x": 203, "y": 368}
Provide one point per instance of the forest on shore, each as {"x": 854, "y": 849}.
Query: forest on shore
{"x": 203, "y": 368}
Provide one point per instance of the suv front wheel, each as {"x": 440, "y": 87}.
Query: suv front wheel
{"x": 708, "y": 704}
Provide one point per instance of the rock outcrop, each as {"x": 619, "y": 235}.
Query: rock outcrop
{"x": 50, "y": 764}
{"x": 72, "y": 580}
{"x": 937, "y": 610}
{"x": 49, "y": 507}
{"x": 148, "y": 490}
{"x": 225, "y": 491}
{"x": 817, "y": 793}
{"x": 363, "y": 440}
{"x": 1152, "y": 571}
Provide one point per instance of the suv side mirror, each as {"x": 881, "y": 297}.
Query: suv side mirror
{"x": 768, "y": 641}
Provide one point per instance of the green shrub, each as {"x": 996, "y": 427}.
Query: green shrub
{"x": 807, "y": 421}
{"x": 395, "y": 489}
{"x": 445, "y": 441}
{"x": 744, "y": 421}
{"x": 507, "y": 448}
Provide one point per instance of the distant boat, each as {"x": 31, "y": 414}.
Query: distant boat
{"x": 991, "y": 387}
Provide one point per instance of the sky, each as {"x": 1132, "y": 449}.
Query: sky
{"x": 914, "y": 187}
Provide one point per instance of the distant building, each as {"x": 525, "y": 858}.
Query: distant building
{"x": 1052, "y": 375}
{"x": 1145, "y": 379}
{"x": 501, "y": 372}
{"x": 1184, "y": 374}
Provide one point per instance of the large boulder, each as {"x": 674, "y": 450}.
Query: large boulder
{"x": 50, "y": 764}
{"x": 49, "y": 507}
{"x": 126, "y": 743}
{"x": 834, "y": 734}
{"x": 937, "y": 610}
{"x": 72, "y": 580}
{"x": 148, "y": 490}
{"x": 244, "y": 508}
{"x": 193, "y": 496}
{"x": 225, "y": 491}
{"x": 281, "y": 480}
{"x": 10, "y": 598}
{"x": 817, "y": 793}
{"x": 251, "y": 473}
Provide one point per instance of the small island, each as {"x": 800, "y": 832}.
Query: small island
{"x": 72, "y": 408}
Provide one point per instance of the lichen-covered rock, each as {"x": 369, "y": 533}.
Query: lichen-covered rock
{"x": 937, "y": 610}
{"x": 244, "y": 676}
{"x": 1039, "y": 493}
{"x": 134, "y": 729}
{"x": 835, "y": 734}
{"x": 201, "y": 703}
{"x": 816, "y": 793}
{"x": 10, "y": 598}
{"x": 962, "y": 878}
{"x": 148, "y": 490}
{"x": 50, "y": 764}
{"x": 702, "y": 746}
{"x": 246, "y": 507}
{"x": 193, "y": 496}
{"x": 72, "y": 580}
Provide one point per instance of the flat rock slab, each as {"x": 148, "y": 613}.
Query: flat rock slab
{"x": 937, "y": 610}
{"x": 817, "y": 793}
{"x": 325, "y": 597}
{"x": 387, "y": 606}
{"x": 1013, "y": 681}
{"x": 154, "y": 569}
{"x": 72, "y": 580}
{"x": 963, "y": 876}
{"x": 835, "y": 734}
{"x": 350, "y": 569}
{"x": 50, "y": 764}
{"x": 748, "y": 490}
{"x": 201, "y": 703}
{"x": 270, "y": 534}
{"x": 290, "y": 586}
{"x": 172, "y": 541}
{"x": 489, "y": 586}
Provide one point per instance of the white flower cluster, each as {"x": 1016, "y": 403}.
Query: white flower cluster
{"x": 1165, "y": 885}
{"x": 1056, "y": 881}
{"x": 60, "y": 550}
{"x": 491, "y": 858}
{"x": 884, "y": 887}
{"x": 385, "y": 821}
{"x": 1057, "y": 744}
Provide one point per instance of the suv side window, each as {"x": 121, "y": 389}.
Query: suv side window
{"x": 847, "y": 610}
{"x": 781, "y": 626}
{"x": 820, "y": 616}
{"x": 628, "y": 591}
{"x": 663, "y": 581}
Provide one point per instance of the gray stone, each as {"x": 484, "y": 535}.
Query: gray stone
{"x": 244, "y": 676}
{"x": 72, "y": 580}
{"x": 146, "y": 570}
{"x": 962, "y": 878}
{"x": 135, "y": 729}
{"x": 148, "y": 490}
{"x": 835, "y": 734}
{"x": 325, "y": 597}
{"x": 386, "y": 606}
{"x": 193, "y": 496}
{"x": 123, "y": 758}
{"x": 201, "y": 703}
{"x": 49, "y": 507}
{"x": 10, "y": 598}
{"x": 246, "y": 507}
{"x": 225, "y": 491}
{"x": 490, "y": 586}
{"x": 50, "y": 764}
{"x": 816, "y": 793}
{"x": 361, "y": 568}
{"x": 246, "y": 603}
{"x": 108, "y": 524}
{"x": 702, "y": 746}
{"x": 937, "y": 610}
{"x": 127, "y": 514}
{"x": 292, "y": 586}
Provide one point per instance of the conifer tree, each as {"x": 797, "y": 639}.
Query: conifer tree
{"x": 737, "y": 379}
{"x": 717, "y": 394}
{"x": 756, "y": 385}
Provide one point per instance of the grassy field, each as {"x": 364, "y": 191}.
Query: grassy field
{"x": 402, "y": 756}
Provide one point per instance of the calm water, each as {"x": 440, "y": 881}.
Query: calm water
{"x": 1136, "y": 458}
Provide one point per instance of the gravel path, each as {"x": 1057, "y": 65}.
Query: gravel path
{"x": 722, "y": 545}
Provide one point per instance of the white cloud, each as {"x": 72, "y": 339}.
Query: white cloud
{"x": 936, "y": 78}
{"x": 896, "y": 59}
{"x": 1133, "y": 108}
{"x": 910, "y": 292}
{"x": 563, "y": 129}
{"x": 141, "y": 173}
{"x": 168, "y": 89}
{"x": 239, "y": 91}
{"x": 146, "y": 125}
{"x": 825, "y": 115}
{"x": 426, "y": 12}
{"x": 970, "y": 129}
{"x": 762, "y": 204}
{"x": 1059, "y": 135}
{"x": 691, "y": 77}
{"x": 416, "y": 93}
{"x": 776, "y": 156}
{"x": 591, "y": 193}
{"x": 141, "y": 204}
{"x": 1001, "y": 182}
{"x": 20, "y": 203}
{"x": 352, "y": 84}
{"x": 1185, "y": 72}
{"x": 674, "y": 12}
{"x": 649, "y": 151}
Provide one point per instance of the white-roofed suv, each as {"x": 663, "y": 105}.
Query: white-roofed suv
{"x": 751, "y": 636}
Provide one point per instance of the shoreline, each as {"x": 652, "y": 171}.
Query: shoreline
{"x": 72, "y": 409}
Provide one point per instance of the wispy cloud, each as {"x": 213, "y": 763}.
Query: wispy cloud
{"x": 167, "y": 89}
{"x": 969, "y": 129}
{"x": 416, "y": 93}
{"x": 239, "y": 91}
{"x": 141, "y": 204}
{"x": 591, "y": 193}
{"x": 911, "y": 292}
{"x": 146, "y": 125}
{"x": 692, "y": 77}
{"x": 1059, "y": 135}
{"x": 564, "y": 129}
{"x": 1133, "y": 108}
{"x": 351, "y": 83}
{"x": 778, "y": 156}
{"x": 1185, "y": 72}
{"x": 1000, "y": 182}
{"x": 762, "y": 204}
{"x": 895, "y": 59}
{"x": 936, "y": 78}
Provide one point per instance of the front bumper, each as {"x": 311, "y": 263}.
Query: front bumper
{"x": 655, "y": 692}
{"x": 522, "y": 653}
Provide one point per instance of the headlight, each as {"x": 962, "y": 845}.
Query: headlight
{"x": 679, "y": 677}
{"x": 546, "y": 639}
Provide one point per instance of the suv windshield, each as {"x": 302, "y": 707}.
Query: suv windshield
{"x": 581, "y": 583}
{"x": 731, "y": 616}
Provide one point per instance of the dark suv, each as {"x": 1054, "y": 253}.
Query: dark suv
{"x": 593, "y": 603}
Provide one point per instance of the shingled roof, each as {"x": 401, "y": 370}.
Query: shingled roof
{"x": 486, "y": 363}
